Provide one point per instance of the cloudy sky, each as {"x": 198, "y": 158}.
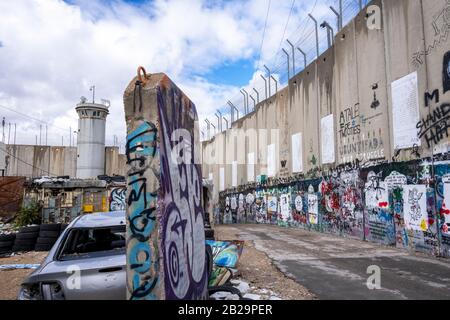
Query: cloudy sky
{"x": 53, "y": 51}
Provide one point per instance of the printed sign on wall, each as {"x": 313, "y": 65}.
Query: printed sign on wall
{"x": 298, "y": 203}
{"x": 297, "y": 153}
{"x": 327, "y": 139}
{"x": 251, "y": 167}
{"x": 405, "y": 111}
{"x": 313, "y": 208}
{"x": 234, "y": 177}
{"x": 272, "y": 204}
{"x": 376, "y": 192}
{"x": 222, "y": 178}
{"x": 415, "y": 207}
{"x": 446, "y": 209}
{"x": 285, "y": 207}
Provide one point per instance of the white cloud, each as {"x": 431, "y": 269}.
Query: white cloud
{"x": 52, "y": 52}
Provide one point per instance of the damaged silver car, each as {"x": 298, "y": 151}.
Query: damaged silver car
{"x": 87, "y": 262}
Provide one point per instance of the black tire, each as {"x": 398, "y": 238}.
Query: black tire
{"x": 42, "y": 247}
{"x": 19, "y": 248}
{"x": 27, "y": 236}
{"x": 46, "y": 241}
{"x": 49, "y": 234}
{"x": 29, "y": 229}
{"x": 6, "y": 245}
{"x": 225, "y": 288}
{"x": 26, "y": 242}
{"x": 51, "y": 227}
{"x": 7, "y": 237}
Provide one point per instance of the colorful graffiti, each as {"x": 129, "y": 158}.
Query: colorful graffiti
{"x": 165, "y": 218}
{"x": 226, "y": 253}
{"x": 398, "y": 204}
{"x": 182, "y": 217}
{"x": 142, "y": 253}
{"x": 117, "y": 199}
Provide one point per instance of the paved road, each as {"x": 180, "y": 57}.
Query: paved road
{"x": 336, "y": 268}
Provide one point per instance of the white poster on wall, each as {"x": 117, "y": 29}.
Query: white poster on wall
{"x": 313, "y": 209}
{"x": 446, "y": 209}
{"x": 222, "y": 179}
{"x": 327, "y": 139}
{"x": 405, "y": 111}
{"x": 271, "y": 161}
{"x": 251, "y": 167}
{"x": 272, "y": 204}
{"x": 285, "y": 207}
{"x": 415, "y": 207}
{"x": 234, "y": 174}
{"x": 297, "y": 153}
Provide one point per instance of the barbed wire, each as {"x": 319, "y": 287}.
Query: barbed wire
{"x": 304, "y": 38}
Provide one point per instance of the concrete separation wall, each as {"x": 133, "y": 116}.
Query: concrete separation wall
{"x": 165, "y": 234}
{"x": 36, "y": 161}
{"x": 354, "y": 120}
{"x": 352, "y": 82}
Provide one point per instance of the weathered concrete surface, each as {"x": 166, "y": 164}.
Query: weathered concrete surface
{"x": 165, "y": 233}
{"x": 336, "y": 268}
{"x": 35, "y": 161}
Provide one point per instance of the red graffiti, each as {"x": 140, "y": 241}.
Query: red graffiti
{"x": 444, "y": 210}
{"x": 445, "y": 228}
{"x": 383, "y": 204}
{"x": 327, "y": 187}
{"x": 335, "y": 201}
{"x": 430, "y": 221}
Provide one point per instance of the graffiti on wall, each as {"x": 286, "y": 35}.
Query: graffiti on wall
{"x": 226, "y": 253}
{"x": 117, "y": 199}
{"x": 446, "y": 73}
{"x": 415, "y": 210}
{"x": 142, "y": 256}
{"x": 183, "y": 236}
{"x": 441, "y": 27}
{"x": 435, "y": 126}
{"x": 349, "y": 122}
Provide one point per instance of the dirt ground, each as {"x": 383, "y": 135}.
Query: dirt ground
{"x": 10, "y": 280}
{"x": 256, "y": 268}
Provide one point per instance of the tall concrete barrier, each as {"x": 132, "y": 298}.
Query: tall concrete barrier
{"x": 165, "y": 234}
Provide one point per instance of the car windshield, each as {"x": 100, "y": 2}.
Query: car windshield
{"x": 93, "y": 242}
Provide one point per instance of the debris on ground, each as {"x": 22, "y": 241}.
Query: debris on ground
{"x": 11, "y": 279}
{"x": 265, "y": 280}
{"x": 18, "y": 266}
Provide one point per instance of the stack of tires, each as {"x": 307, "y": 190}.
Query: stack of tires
{"x": 48, "y": 235}
{"x": 6, "y": 243}
{"x": 26, "y": 239}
